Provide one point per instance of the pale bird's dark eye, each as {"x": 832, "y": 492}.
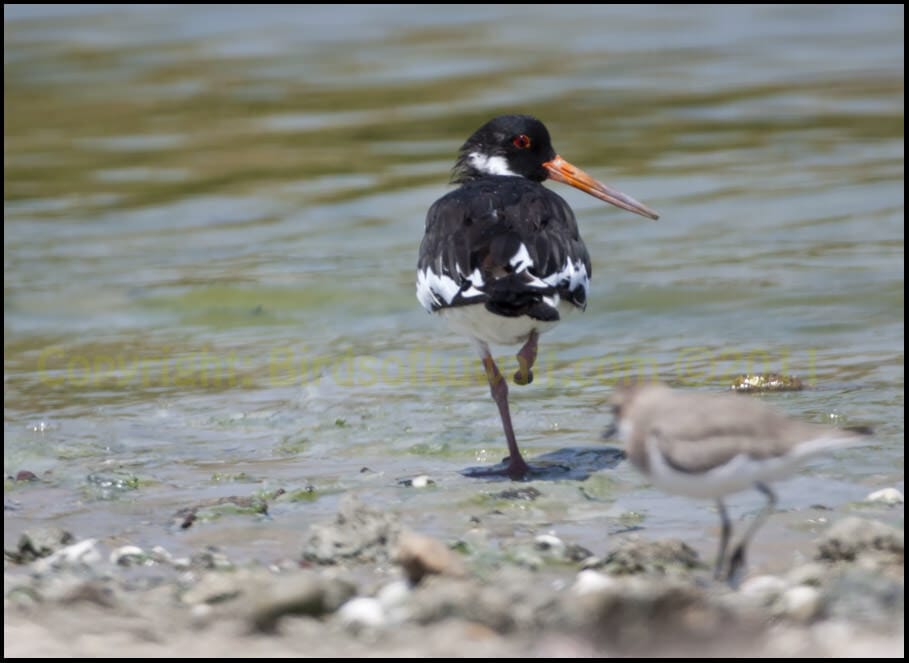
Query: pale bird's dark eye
{"x": 521, "y": 142}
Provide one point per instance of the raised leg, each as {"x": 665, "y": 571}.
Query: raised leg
{"x": 517, "y": 468}
{"x": 725, "y": 533}
{"x": 526, "y": 358}
{"x": 737, "y": 561}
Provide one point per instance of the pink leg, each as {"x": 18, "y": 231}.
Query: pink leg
{"x": 517, "y": 468}
{"x": 526, "y": 357}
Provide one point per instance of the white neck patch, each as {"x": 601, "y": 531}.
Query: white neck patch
{"x": 490, "y": 165}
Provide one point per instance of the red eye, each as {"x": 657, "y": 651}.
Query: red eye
{"x": 521, "y": 142}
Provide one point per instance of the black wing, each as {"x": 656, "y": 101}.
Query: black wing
{"x": 505, "y": 242}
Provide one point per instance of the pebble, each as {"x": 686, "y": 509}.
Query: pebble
{"x": 307, "y": 593}
{"x": 801, "y": 603}
{"x": 420, "y": 555}
{"x": 853, "y": 536}
{"x": 128, "y": 556}
{"x": 886, "y": 496}
{"x": 161, "y": 555}
{"x": 589, "y": 581}
{"x": 212, "y": 588}
{"x": 764, "y": 588}
{"x": 549, "y": 543}
{"x": 362, "y": 612}
{"x": 812, "y": 573}
{"x": 394, "y": 594}
{"x": 83, "y": 553}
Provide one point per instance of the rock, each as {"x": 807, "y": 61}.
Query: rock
{"x": 885, "y": 496}
{"x": 37, "y": 543}
{"x": 213, "y": 509}
{"x": 420, "y": 555}
{"x": 72, "y": 585}
{"x": 549, "y": 543}
{"x": 852, "y": 536}
{"x": 666, "y": 557}
{"x": 359, "y": 533}
{"x": 864, "y": 596}
{"x": 213, "y": 588}
{"x": 529, "y": 494}
{"x": 161, "y": 555}
{"x": 812, "y": 573}
{"x": 527, "y": 559}
{"x": 763, "y": 590}
{"x": 91, "y": 591}
{"x": 362, "y": 612}
{"x": 421, "y": 481}
{"x": 441, "y": 597}
{"x": 555, "y": 548}
{"x": 577, "y": 553}
{"x": 766, "y": 382}
{"x": 209, "y": 559}
{"x": 83, "y": 553}
{"x": 658, "y": 615}
{"x": 589, "y": 581}
{"x": 593, "y": 562}
{"x": 201, "y": 614}
{"x": 112, "y": 484}
{"x": 128, "y": 556}
{"x": 303, "y": 593}
{"x": 801, "y": 603}
{"x": 394, "y": 596}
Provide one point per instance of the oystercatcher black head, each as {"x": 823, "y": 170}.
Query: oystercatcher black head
{"x": 502, "y": 259}
{"x": 519, "y": 145}
{"x": 508, "y": 145}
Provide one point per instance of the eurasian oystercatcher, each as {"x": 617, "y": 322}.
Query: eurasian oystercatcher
{"x": 501, "y": 259}
{"x": 712, "y": 445}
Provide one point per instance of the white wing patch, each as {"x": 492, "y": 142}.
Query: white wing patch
{"x": 575, "y": 273}
{"x": 435, "y": 290}
{"x": 476, "y": 282}
{"x": 432, "y": 286}
{"x": 553, "y": 301}
{"x": 521, "y": 260}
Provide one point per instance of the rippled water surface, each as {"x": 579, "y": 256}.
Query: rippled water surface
{"x": 211, "y": 220}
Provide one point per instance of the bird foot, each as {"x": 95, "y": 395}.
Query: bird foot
{"x": 521, "y": 378}
{"x": 516, "y": 470}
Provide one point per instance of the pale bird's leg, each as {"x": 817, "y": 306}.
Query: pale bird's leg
{"x": 737, "y": 560}
{"x": 725, "y": 533}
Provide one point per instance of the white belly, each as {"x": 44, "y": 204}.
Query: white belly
{"x": 477, "y": 322}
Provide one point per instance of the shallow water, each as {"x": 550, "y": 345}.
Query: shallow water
{"x": 211, "y": 221}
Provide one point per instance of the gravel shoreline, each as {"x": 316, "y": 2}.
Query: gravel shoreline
{"x": 365, "y": 585}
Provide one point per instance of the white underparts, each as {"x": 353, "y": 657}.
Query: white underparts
{"x": 476, "y": 322}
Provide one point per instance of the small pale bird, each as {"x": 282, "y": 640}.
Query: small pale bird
{"x": 710, "y": 445}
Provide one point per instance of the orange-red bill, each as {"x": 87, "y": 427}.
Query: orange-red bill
{"x": 562, "y": 171}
